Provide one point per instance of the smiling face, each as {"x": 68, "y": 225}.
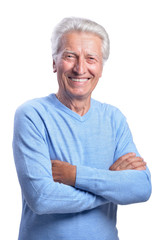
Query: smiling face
{"x": 78, "y": 65}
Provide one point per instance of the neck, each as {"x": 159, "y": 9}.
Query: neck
{"x": 80, "y": 106}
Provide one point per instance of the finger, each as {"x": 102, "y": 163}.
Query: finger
{"x": 141, "y": 168}
{"x": 57, "y": 179}
{"x": 56, "y": 175}
{"x": 121, "y": 159}
{"x": 131, "y": 154}
{"x": 132, "y": 165}
{"x": 129, "y": 161}
{"x": 52, "y": 161}
{"x": 136, "y": 164}
{"x": 55, "y": 162}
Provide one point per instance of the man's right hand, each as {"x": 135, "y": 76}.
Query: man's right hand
{"x": 128, "y": 161}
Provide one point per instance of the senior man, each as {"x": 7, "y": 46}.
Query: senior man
{"x": 75, "y": 157}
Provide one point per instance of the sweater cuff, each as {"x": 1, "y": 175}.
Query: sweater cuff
{"x": 85, "y": 177}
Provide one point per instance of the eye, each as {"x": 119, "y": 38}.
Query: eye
{"x": 91, "y": 59}
{"x": 70, "y": 56}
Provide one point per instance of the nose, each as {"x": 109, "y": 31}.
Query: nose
{"x": 80, "y": 66}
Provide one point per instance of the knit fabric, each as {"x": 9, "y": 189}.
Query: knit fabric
{"x": 45, "y": 130}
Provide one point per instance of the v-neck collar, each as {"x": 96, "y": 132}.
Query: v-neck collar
{"x": 62, "y": 107}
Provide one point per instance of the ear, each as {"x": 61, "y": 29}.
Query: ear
{"x": 54, "y": 66}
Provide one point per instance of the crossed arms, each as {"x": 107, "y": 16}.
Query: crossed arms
{"x": 127, "y": 180}
{"x": 64, "y": 172}
{"x": 84, "y": 187}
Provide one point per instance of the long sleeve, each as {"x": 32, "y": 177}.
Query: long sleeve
{"x": 119, "y": 187}
{"x": 33, "y": 165}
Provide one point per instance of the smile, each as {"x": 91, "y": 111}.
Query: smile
{"x": 79, "y": 79}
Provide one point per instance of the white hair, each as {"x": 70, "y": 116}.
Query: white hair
{"x": 82, "y": 25}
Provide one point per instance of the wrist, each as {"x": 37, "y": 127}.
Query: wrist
{"x": 73, "y": 174}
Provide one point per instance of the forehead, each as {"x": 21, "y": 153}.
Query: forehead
{"x": 81, "y": 41}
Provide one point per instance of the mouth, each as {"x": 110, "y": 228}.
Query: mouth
{"x": 79, "y": 79}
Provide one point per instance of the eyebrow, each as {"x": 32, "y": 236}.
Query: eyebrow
{"x": 74, "y": 53}
{"x": 93, "y": 54}
{"x": 71, "y": 52}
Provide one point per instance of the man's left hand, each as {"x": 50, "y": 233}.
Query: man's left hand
{"x": 63, "y": 172}
{"x": 128, "y": 161}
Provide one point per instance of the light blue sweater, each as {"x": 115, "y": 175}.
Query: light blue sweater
{"x": 45, "y": 129}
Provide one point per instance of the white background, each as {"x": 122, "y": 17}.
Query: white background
{"x": 130, "y": 81}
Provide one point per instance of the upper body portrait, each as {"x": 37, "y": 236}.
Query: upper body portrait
{"x": 75, "y": 156}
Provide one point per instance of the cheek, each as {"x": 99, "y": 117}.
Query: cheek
{"x": 65, "y": 66}
{"x": 100, "y": 69}
{"x": 63, "y": 69}
{"x": 96, "y": 71}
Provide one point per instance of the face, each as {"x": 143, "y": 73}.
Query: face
{"x": 78, "y": 65}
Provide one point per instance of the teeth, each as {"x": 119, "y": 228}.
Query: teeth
{"x": 79, "y": 80}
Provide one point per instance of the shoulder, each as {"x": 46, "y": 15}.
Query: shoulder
{"x": 30, "y": 117}
{"x": 35, "y": 111}
{"x": 33, "y": 107}
{"x": 108, "y": 111}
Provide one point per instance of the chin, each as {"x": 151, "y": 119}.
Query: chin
{"x": 81, "y": 96}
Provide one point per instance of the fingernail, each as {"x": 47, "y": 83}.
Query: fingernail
{"x": 133, "y": 153}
